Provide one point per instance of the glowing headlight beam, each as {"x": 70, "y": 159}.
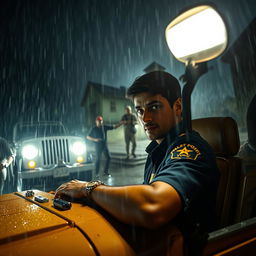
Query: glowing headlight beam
{"x": 29, "y": 152}
{"x": 78, "y": 148}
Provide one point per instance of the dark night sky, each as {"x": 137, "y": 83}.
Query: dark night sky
{"x": 50, "y": 49}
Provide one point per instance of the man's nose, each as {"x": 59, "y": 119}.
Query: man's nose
{"x": 147, "y": 117}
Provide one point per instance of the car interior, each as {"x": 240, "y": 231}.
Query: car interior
{"x": 236, "y": 193}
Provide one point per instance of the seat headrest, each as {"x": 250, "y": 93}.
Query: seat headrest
{"x": 220, "y": 132}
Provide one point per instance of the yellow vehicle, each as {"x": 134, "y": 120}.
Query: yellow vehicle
{"x": 29, "y": 227}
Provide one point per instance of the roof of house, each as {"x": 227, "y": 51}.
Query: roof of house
{"x": 154, "y": 66}
{"x": 115, "y": 92}
{"x": 106, "y": 90}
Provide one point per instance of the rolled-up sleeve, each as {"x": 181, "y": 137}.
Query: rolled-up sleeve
{"x": 188, "y": 177}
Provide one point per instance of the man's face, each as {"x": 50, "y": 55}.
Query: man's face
{"x": 156, "y": 115}
{"x": 128, "y": 110}
{"x": 98, "y": 122}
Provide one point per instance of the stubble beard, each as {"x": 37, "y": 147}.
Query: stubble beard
{"x": 154, "y": 136}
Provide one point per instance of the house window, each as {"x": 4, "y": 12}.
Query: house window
{"x": 112, "y": 106}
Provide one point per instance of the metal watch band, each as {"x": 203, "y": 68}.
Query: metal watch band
{"x": 91, "y": 185}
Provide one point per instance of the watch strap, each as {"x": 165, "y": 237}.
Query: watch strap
{"x": 91, "y": 185}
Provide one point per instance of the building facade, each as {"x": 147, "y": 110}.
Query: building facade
{"x": 109, "y": 102}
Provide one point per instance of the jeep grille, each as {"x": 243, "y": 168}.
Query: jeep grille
{"x": 55, "y": 150}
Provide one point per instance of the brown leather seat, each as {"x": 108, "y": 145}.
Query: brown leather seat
{"x": 222, "y": 134}
{"x": 246, "y": 207}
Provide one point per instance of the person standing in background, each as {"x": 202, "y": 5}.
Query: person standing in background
{"x": 248, "y": 150}
{"x": 98, "y": 134}
{"x": 6, "y": 158}
{"x": 129, "y": 121}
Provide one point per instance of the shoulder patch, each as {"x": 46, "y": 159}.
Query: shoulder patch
{"x": 185, "y": 151}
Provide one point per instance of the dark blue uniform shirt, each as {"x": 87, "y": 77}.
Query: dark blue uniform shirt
{"x": 100, "y": 133}
{"x": 188, "y": 164}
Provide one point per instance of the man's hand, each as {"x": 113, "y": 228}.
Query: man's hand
{"x": 3, "y": 164}
{"x": 73, "y": 189}
{"x": 93, "y": 139}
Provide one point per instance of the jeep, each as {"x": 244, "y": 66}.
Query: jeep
{"x": 46, "y": 153}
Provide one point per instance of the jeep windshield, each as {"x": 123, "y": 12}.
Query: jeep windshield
{"x": 27, "y": 131}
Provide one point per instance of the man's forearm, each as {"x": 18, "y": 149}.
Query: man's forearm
{"x": 145, "y": 205}
{"x": 92, "y": 138}
{"x": 125, "y": 203}
{"x": 9, "y": 161}
{"x": 141, "y": 205}
{"x": 118, "y": 124}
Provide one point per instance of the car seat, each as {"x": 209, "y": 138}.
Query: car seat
{"x": 222, "y": 135}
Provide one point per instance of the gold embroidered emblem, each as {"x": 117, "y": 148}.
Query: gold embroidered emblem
{"x": 185, "y": 151}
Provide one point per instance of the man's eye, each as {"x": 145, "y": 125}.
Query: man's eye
{"x": 155, "y": 107}
{"x": 140, "y": 112}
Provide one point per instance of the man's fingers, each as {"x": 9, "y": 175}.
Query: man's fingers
{"x": 60, "y": 190}
{"x": 72, "y": 189}
{"x": 62, "y": 193}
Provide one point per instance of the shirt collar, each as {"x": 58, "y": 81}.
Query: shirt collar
{"x": 168, "y": 139}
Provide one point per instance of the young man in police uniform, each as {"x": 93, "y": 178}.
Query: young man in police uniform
{"x": 181, "y": 177}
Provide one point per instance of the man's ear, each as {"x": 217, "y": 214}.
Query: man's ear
{"x": 177, "y": 106}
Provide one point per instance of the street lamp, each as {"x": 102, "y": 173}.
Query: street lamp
{"x": 195, "y": 37}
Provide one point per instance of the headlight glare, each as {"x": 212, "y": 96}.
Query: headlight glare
{"x": 78, "y": 148}
{"x": 80, "y": 159}
{"x": 29, "y": 152}
{"x": 31, "y": 164}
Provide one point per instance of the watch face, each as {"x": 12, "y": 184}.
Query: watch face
{"x": 91, "y": 183}
{"x": 90, "y": 186}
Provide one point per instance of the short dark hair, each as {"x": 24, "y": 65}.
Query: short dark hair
{"x": 156, "y": 82}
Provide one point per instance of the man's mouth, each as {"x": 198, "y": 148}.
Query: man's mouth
{"x": 150, "y": 127}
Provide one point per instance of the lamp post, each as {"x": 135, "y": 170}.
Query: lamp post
{"x": 195, "y": 37}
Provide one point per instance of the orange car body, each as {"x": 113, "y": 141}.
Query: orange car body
{"x": 32, "y": 228}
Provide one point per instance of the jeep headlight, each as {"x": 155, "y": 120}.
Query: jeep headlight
{"x": 79, "y": 148}
{"x": 29, "y": 152}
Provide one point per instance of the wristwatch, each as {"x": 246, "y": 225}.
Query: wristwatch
{"x": 91, "y": 185}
